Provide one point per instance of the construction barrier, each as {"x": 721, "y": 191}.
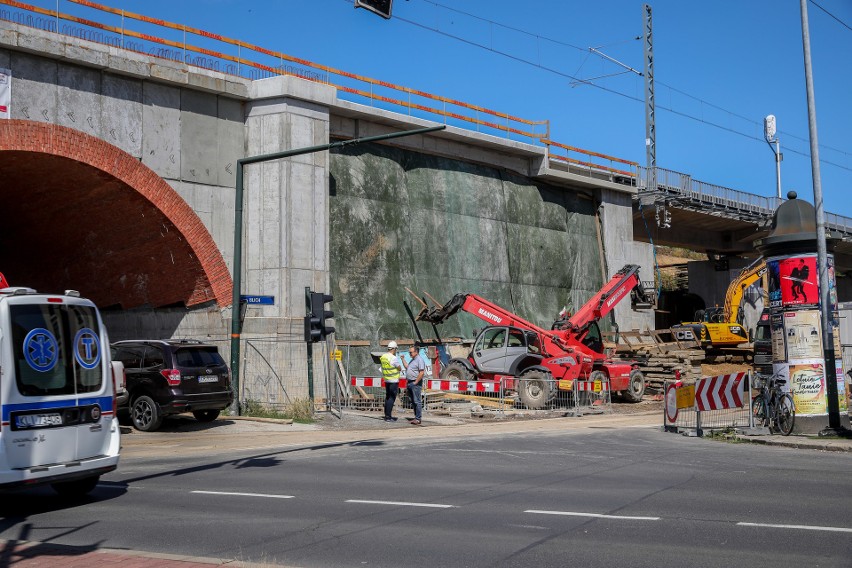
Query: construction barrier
{"x": 575, "y": 398}
{"x": 592, "y": 396}
{"x": 464, "y": 386}
{"x": 711, "y": 403}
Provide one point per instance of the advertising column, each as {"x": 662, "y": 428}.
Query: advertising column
{"x": 797, "y": 343}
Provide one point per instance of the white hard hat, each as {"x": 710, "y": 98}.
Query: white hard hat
{"x": 392, "y": 345}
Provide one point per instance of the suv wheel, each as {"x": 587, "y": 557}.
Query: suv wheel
{"x": 145, "y": 414}
{"x": 205, "y": 415}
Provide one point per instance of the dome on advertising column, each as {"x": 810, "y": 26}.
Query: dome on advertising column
{"x": 793, "y": 229}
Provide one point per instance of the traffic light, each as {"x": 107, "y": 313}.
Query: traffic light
{"x": 316, "y": 327}
{"x": 380, "y": 7}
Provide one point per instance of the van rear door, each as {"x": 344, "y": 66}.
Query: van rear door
{"x": 59, "y": 392}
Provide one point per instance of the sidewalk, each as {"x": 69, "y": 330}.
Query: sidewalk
{"x": 801, "y": 442}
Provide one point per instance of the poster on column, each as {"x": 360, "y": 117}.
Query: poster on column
{"x": 5, "y": 93}
{"x": 832, "y": 290}
{"x": 793, "y": 282}
{"x": 842, "y": 399}
{"x": 807, "y": 382}
{"x": 779, "y": 351}
{"x": 802, "y": 331}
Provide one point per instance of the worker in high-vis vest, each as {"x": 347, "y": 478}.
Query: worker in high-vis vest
{"x": 391, "y": 371}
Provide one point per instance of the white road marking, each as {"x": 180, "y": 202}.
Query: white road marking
{"x": 594, "y": 515}
{"x": 530, "y": 527}
{"x": 401, "y": 503}
{"x": 796, "y": 527}
{"x": 268, "y": 495}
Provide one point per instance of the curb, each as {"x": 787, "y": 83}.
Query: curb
{"x": 800, "y": 444}
{"x": 258, "y": 419}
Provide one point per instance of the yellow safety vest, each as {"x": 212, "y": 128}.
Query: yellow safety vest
{"x": 389, "y": 372}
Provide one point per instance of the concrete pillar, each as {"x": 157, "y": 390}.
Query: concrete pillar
{"x": 286, "y": 205}
{"x": 617, "y": 234}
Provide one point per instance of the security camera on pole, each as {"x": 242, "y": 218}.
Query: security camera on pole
{"x": 769, "y": 132}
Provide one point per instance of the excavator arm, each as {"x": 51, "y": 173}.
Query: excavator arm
{"x": 734, "y": 296}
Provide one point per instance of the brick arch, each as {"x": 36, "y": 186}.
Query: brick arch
{"x": 111, "y": 170}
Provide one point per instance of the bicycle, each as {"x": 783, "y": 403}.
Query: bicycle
{"x": 773, "y": 407}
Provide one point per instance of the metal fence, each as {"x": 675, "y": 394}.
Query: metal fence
{"x": 592, "y": 397}
{"x": 274, "y": 374}
{"x": 507, "y": 396}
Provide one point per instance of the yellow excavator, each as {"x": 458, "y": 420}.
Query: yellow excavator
{"x": 721, "y": 327}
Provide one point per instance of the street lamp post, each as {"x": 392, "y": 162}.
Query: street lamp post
{"x": 834, "y": 426}
{"x": 769, "y": 132}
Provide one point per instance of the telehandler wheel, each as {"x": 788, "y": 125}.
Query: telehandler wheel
{"x": 535, "y": 389}
{"x": 636, "y": 388}
{"x": 455, "y": 371}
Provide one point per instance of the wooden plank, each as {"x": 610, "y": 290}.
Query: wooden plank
{"x": 481, "y": 400}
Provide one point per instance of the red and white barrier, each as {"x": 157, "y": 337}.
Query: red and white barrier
{"x": 464, "y": 386}
{"x": 589, "y": 386}
{"x": 372, "y": 382}
{"x": 717, "y": 393}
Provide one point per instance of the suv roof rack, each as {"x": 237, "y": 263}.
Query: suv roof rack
{"x": 17, "y": 290}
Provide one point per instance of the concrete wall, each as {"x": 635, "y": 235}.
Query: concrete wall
{"x": 402, "y": 219}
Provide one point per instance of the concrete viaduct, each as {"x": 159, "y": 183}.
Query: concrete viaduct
{"x": 119, "y": 175}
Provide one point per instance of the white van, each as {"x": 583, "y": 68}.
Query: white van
{"x": 57, "y": 392}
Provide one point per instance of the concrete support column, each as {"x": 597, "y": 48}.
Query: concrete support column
{"x": 286, "y": 201}
{"x": 616, "y": 215}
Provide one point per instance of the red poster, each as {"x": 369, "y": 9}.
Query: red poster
{"x": 799, "y": 281}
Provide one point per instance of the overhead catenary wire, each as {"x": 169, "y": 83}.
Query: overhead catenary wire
{"x": 576, "y": 80}
{"x": 841, "y": 22}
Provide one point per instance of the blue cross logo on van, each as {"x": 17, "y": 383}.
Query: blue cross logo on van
{"x": 40, "y": 350}
{"x": 87, "y": 348}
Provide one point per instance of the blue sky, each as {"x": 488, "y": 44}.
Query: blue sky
{"x": 720, "y": 68}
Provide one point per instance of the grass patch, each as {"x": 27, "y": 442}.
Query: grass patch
{"x": 300, "y": 410}
{"x": 724, "y": 435}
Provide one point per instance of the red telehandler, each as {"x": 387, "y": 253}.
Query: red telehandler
{"x": 546, "y": 360}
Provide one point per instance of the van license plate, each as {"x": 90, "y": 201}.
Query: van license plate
{"x": 38, "y": 420}
{"x": 208, "y": 378}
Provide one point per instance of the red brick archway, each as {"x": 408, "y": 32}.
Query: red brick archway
{"x": 77, "y": 212}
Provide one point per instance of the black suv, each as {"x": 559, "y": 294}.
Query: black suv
{"x": 170, "y": 377}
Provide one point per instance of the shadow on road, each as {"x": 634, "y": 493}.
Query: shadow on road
{"x": 18, "y": 506}
{"x": 269, "y": 459}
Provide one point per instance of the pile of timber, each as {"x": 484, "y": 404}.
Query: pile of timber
{"x": 661, "y": 357}
{"x": 661, "y": 367}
